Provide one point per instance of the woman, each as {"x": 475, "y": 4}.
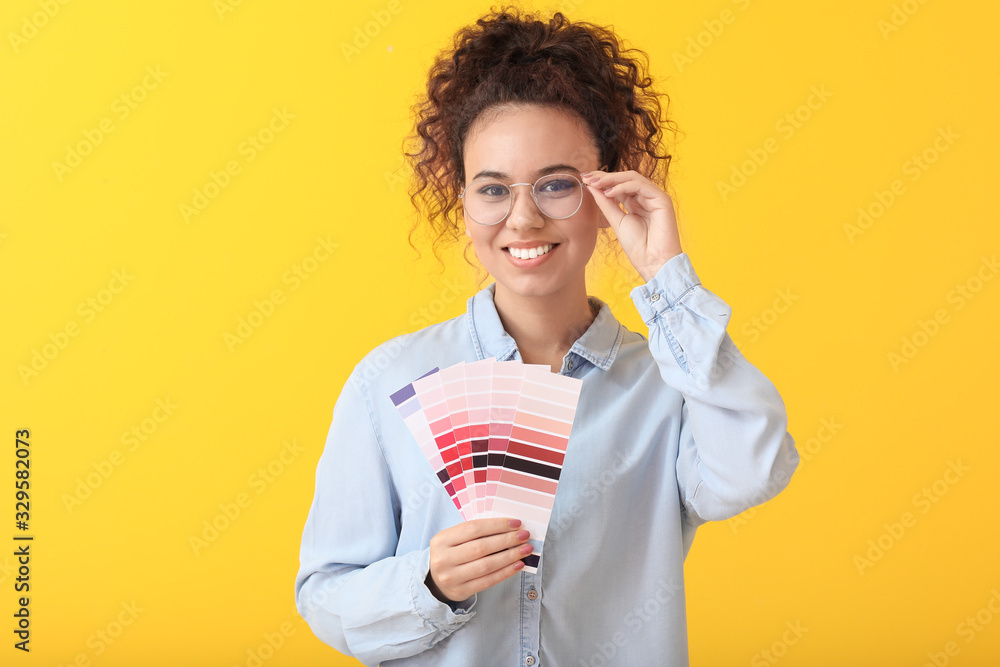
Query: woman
{"x": 669, "y": 432}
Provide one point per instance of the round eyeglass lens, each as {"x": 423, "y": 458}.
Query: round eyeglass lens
{"x": 558, "y": 196}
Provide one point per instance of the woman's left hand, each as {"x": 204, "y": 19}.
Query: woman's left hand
{"x": 648, "y": 230}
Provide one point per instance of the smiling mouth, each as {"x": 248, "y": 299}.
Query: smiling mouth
{"x": 531, "y": 253}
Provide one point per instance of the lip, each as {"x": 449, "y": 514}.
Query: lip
{"x": 533, "y": 244}
{"x": 527, "y": 263}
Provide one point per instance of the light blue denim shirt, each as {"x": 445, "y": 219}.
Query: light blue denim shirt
{"x": 669, "y": 432}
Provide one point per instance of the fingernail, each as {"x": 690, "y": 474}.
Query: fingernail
{"x": 514, "y": 523}
{"x": 523, "y": 535}
{"x": 527, "y": 548}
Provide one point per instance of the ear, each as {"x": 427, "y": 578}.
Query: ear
{"x": 465, "y": 220}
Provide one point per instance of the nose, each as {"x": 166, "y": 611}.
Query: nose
{"x": 524, "y": 213}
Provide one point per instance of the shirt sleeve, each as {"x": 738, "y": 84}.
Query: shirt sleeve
{"x": 734, "y": 450}
{"x": 352, "y": 589}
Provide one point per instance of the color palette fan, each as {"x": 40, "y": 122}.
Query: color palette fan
{"x": 495, "y": 434}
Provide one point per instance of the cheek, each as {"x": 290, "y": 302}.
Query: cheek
{"x": 478, "y": 237}
{"x": 591, "y": 229}
{"x": 592, "y": 216}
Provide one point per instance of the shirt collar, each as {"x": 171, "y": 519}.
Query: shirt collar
{"x": 599, "y": 343}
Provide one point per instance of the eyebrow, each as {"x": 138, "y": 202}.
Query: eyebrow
{"x": 551, "y": 169}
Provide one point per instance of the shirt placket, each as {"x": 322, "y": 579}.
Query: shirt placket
{"x": 529, "y": 608}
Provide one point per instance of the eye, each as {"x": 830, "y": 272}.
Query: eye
{"x": 492, "y": 190}
{"x": 559, "y": 186}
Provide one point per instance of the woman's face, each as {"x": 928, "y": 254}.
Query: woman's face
{"x": 519, "y": 146}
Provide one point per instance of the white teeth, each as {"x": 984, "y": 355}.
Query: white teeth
{"x": 531, "y": 253}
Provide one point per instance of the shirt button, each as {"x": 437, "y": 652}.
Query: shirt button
{"x": 654, "y": 297}
{"x": 530, "y": 660}
{"x": 569, "y": 365}
{"x": 532, "y": 594}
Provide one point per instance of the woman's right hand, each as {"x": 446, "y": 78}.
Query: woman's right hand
{"x": 473, "y": 555}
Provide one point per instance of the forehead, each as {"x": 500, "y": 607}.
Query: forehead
{"x": 523, "y": 140}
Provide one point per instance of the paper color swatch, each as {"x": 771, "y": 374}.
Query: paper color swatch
{"x": 495, "y": 435}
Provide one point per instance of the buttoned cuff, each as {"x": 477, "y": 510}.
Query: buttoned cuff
{"x": 428, "y": 607}
{"x": 670, "y": 284}
{"x": 684, "y": 318}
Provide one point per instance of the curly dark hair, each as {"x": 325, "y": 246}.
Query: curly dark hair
{"x": 508, "y": 59}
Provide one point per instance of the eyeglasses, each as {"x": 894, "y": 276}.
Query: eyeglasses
{"x": 489, "y": 201}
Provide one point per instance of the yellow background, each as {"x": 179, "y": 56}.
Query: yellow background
{"x": 334, "y": 172}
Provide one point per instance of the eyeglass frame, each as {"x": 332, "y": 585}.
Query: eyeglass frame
{"x": 510, "y": 207}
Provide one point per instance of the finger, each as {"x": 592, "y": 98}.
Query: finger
{"x": 490, "y": 570}
{"x": 471, "y": 530}
{"x": 634, "y": 188}
{"x": 606, "y": 178}
{"x": 488, "y": 546}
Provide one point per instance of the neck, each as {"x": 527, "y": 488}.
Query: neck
{"x": 545, "y": 328}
